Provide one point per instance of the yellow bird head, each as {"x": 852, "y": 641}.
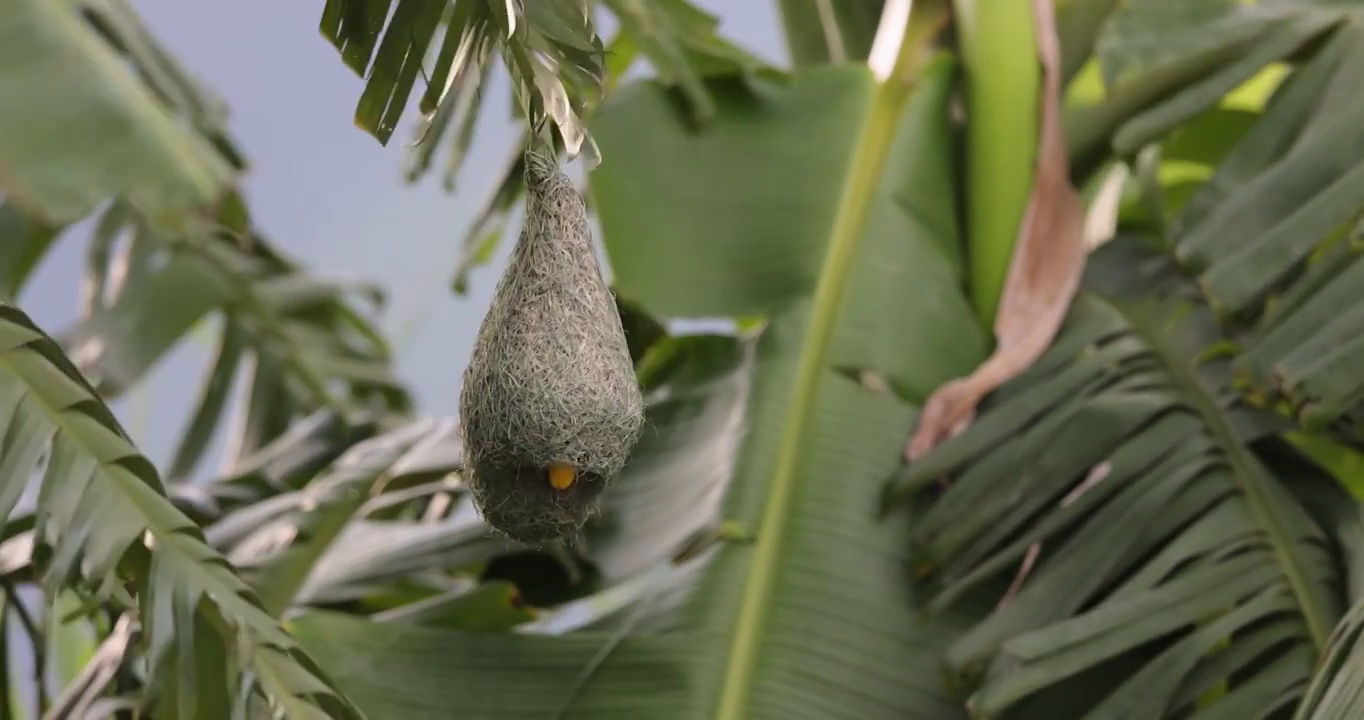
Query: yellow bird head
{"x": 562, "y": 475}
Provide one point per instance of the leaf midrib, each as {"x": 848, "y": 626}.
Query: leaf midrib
{"x": 861, "y": 180}
{"x": 1249, "y": 478}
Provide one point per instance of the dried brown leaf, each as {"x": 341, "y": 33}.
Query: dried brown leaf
{"x": 1048, "y": 259}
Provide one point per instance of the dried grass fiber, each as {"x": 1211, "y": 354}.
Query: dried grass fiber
{"x": 551, "y": 378}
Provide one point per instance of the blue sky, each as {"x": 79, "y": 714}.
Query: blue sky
{"x": 330, "y": 194}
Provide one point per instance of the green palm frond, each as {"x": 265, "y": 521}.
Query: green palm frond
{"x": 132, "y": 123}
{"x": 557, "y": 63}
{"x": 1337, "y": 691}
{"x": 1267, "y": 223}
{"x": 1159, "y": 556}
{"x": 1165, "y": 558}
{"x": 321, "y": 545}
{"x": 1165, "y": 62}
{"x": 303, "y": 337}
{"x": 103, "y": 519}
{"x": 26, "y": 240}
{"x": 550, "y": 49}
{"x": 279, "y": 466}
{"x": 1273, "y": 240}
{"x": 559, "y": 69}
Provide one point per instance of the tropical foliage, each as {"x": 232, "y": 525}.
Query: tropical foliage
{"x": 1156, "y": 518}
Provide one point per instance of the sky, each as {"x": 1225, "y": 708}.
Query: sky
{"x": 331, "y": 195}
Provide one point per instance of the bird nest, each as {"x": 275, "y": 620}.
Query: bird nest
{"x": 550, "y": 407}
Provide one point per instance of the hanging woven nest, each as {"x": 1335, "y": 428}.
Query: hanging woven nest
{"x": 550, "y": 409}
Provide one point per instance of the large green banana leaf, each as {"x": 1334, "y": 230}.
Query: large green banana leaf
{"x": 94, "y": 109}
{"x": 822, "y": 33}
{"x": 811, "y": 615}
